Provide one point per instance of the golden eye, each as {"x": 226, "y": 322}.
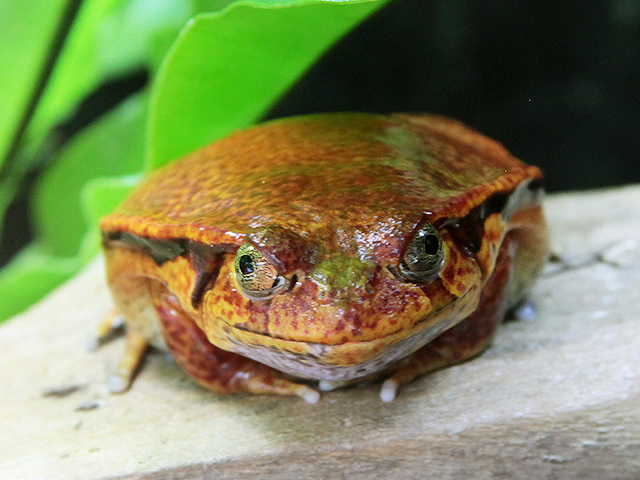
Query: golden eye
{"x": 424, "y": 257}
{"x": 257, "y": 277}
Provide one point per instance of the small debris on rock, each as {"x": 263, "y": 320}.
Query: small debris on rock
{"x": 62, "y": 391}
{"x": 89, "y": 405}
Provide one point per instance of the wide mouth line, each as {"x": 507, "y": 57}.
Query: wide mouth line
{"x": 416, "y": 326}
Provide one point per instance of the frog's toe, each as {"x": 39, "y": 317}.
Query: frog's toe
{"x": 328, "y": 385}
{"x": 308, "y": 394}
{"x": 389, "y": 390}
{"x": 117, "y": 383}
{"x": 92, "y": 344}
{"x": 526, "y": 310}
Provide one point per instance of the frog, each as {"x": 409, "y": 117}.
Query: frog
{"x": 314, "y": 252}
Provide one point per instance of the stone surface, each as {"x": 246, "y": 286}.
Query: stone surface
{"x": 554, "y": 397}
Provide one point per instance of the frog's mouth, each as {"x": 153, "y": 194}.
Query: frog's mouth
{"x": 349, "y": 360}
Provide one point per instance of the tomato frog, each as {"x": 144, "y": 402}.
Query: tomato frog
{"x": 335, "y": 248}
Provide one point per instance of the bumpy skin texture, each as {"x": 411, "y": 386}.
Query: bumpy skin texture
{"x": 332, "y": 201}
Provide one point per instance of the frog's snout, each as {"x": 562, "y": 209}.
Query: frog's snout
{"x": 343, "y": 277}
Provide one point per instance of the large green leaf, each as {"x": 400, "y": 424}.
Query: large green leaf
{"x": 29, "y": 277}
{"x": 112, "y": 146}
{"x": 35, "y": 272}
{"x": 99, "y": 197}
{"x": 65, "y": 240}
{"x": 109, "y": 38}
{"x": 26, "y": 31}
{"x": 226, "y": 69}
{"x": 7, "y": 192}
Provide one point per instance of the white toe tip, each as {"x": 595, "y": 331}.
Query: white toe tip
{"x": 117, "y": 322}
{"x": 527, "y": 311}
{"x": 327, "y": 385}
{"x": 309, "y": 395}
{"x": 388, "y": 391}
{"x": 117, "y": 384}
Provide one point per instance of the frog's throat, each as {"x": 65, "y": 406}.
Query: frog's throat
{"x": 348, "y": 360}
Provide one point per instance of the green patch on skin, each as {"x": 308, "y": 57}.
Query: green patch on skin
{"x": 342, "y": 276}
{"x": 407, "y": 145}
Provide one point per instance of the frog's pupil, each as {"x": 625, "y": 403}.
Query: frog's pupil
{"x": 246, "y": 265}
{"x": 431, "y": 245}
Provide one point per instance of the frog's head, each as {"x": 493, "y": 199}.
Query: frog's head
{"x": 340, "y": 302}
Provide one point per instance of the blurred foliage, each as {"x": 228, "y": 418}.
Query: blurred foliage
{"x": 214, "y": 65}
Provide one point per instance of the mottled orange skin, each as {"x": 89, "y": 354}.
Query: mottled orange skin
{"x": 332, "y": 201}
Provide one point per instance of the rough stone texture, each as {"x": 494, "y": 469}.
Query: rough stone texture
{"x": 555, "y": 397}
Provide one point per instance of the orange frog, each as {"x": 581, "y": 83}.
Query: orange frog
{"x": 334, "y": 247}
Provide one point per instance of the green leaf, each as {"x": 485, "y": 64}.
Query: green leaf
{"x": 226, "y": 69}
{"x": 99, "y": 197}
{"x": 34, "y": 272}
{"x": 66, "y": 241}
{"x": 108, "y": 39}
{"x": 31, "y": 276}
{"x": 7, "y": 192}
{"x": 111, "y": 146}
{"x": 26, "y": 30}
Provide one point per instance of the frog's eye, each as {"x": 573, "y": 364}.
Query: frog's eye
{"x": 258, "y": 279}
{"x": 424, "y": 256}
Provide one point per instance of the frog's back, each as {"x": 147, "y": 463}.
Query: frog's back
{"x": 303, "y": 172}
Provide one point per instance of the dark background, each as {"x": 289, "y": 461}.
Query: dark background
{"x": 556, "y": 81}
